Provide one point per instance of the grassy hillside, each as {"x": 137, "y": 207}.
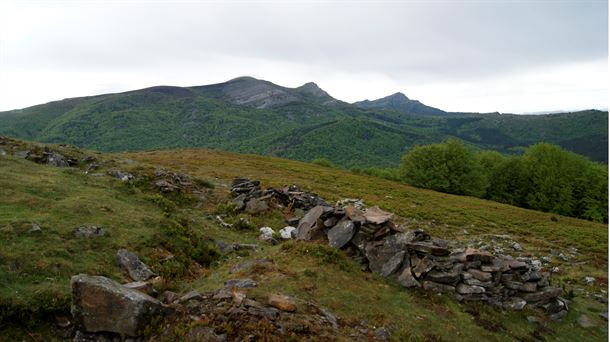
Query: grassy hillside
{"x": 302, "y": 125}
{"x": 35, "y": 269}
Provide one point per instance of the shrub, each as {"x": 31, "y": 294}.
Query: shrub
{"x": 322, "y": 162}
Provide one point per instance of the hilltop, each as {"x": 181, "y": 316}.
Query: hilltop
{"x": 249, "y": 115}
{"x": 50, "y": 193}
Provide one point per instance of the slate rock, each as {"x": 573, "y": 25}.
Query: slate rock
{"x": 282, "y": 302}
{"x": 437, "y": 287}
{"x": 393, "y": 264}
{"x": 57, "y": 160}
{"x": 142, "y": 286}
{"x": 423, "y": 266}
{"x": 543, "y": 295}
{"x": 341, "y": 234}
{"x": 375, "y": 215}
{"x": 256, "y": 206}
{"x": 469, "y": 289}
{"x": 100, "y": 304}
{"x": 450, "y": 277}
{"x": 136, "y": 269}
{"x": 307, "y": 229}
{"x": 121, "y": 175}
{"x": 89, "y": 231}
{"x": 515, "y": 303}
{"x": 406, "y": 278}
{"x": 428, "y": 248}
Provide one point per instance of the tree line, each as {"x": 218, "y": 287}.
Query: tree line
{"x": 545, "y": 177}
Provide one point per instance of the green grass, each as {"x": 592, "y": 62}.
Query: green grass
{"x": 35, "y": 269}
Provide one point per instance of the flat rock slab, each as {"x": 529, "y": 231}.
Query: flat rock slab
{"x": 89, "y": 231}
{"x": 428, "y": 248}
{"x": 307, "y": 225}
{"x": 282, "y": 302}
{"x": 130, "y": 262}
{"x": 101, "y": 304}
{"x": 255, "y": 206}
{"x": 406, "y": 279}
{"x": 393, "y": 264}
{"x": 341, "y": 234}
{"x": 375, "y": 215}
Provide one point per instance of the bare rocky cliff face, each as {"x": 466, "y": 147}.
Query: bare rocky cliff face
{"x": 249, "y": 91}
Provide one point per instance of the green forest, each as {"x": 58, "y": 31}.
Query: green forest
{"x": 545, "y": 177}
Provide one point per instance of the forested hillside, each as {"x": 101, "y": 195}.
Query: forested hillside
{"x": 304, "y": 123}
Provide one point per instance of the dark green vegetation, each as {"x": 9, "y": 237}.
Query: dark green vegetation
{"x": 253, "y": 116}
{"x": 545, "y": 177}
{"x": 35, "y": 267}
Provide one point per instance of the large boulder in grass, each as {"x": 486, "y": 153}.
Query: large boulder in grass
{"x": 130, "y": 262}
{"x": 100, "y": 304}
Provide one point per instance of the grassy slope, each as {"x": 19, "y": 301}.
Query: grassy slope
{"x": 355, "y": 297}
{"x": 35, "y": 267}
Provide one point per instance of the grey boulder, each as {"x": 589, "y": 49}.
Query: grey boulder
{"x": 101, "y": 304}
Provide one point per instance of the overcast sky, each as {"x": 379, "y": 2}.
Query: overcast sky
{"x": 508, "y": 56}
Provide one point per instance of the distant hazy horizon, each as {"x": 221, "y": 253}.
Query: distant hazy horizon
{"x": 459, "y": 56}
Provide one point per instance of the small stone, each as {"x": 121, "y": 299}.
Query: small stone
{"x": 89, "y": 231}
{"x": 192, "y": 295}
{"x": 381, "y": 334}
{"x": 282, "y": 302}
{"x": 604, "y": 315}
{"x": 141, "y": 286}
{"x": 136, "y": 269}
{"x": 437, "y": 287}
{"x": 238, "y": 296}
{"x": 406, "y": 279}
{"x": 515, "y": 303}
{"x": 375, "y": 215}
{"x": 423, "y": 266}
{"x": 480, "y": 275}
{"x": 533, "y": 319}
{"x": 256, "y": 206}
{"x": 589, "y": 280}
{"x": 584, "y": 321}
{"x": 528, "y": 287}
{"x": 556, "y": 317}
{"x": 555, "y": 269}
{"x": 169, "y": 297}
{"x": 469, "y": 289}
{"x": 35, "y": 229}
{"x": 517, "y": 247}
{"x": 266, "y": 233}
{"x": 287, "y": 232}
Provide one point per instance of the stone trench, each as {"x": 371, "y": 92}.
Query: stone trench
{"x": 413, "y": 258}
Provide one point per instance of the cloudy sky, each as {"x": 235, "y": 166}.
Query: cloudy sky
{"x": 463, "y": 55}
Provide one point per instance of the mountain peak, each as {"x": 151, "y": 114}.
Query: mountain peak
{"x": 398, "y": 97}
{"x": 311, "y": 88}
{"x": 401, "y": 103}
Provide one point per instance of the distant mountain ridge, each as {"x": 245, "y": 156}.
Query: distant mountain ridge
{"x": 249, "y": 115}
{"x": 401, "y": 103}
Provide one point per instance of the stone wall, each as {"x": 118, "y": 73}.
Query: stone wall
{"x": 411, "y": 257}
